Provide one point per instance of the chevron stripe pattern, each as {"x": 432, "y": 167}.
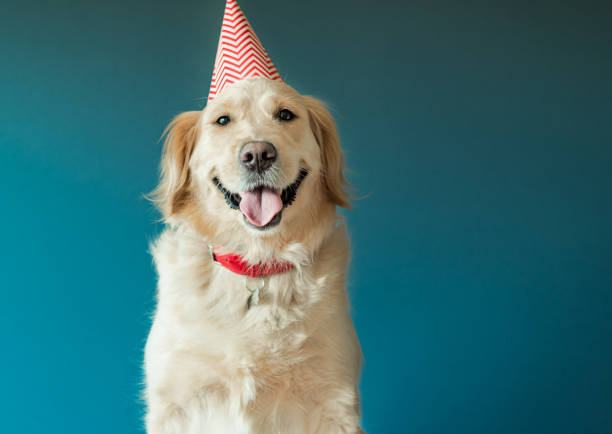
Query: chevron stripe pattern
{"x": 240, "y": 53}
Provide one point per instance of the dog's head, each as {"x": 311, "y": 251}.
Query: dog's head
{"x": 260, "y": 161}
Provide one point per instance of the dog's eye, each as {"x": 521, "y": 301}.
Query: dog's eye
{"x": 223, "y": 120}
{"x": 285, "y": 115}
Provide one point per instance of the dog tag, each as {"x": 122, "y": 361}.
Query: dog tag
{"x": 254, "y": 285}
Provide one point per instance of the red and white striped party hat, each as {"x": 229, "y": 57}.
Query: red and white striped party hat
{"x": 240, "y": 53}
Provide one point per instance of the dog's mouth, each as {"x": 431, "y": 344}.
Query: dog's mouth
{"x": 262, "y": 206}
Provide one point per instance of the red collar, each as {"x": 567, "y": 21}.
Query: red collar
{"x": 236, "y": 264}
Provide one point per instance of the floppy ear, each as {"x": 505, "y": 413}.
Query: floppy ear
{"x": 324, "y": 129}
{"x": 173, "y": 191}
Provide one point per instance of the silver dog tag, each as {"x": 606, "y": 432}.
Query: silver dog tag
{"x": 254, "y": 285}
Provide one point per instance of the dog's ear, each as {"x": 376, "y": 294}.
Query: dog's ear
{"x": 173, "y": 191}
{"x": 324, "y": 129}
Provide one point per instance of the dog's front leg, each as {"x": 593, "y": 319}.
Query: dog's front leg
{"x": 340, "y": 413}
{"x": 346, "y": 426}
{"x": 165, "y": 418}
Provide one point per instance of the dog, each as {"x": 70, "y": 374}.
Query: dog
{"x": 257, "y": 174}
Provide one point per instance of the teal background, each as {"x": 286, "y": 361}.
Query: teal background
{"x": 477, "y": 135}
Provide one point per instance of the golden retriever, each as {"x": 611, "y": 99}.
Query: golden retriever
{"x": 259, "y": 173}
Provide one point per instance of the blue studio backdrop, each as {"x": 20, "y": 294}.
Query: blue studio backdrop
{"x": 479, "y": 143}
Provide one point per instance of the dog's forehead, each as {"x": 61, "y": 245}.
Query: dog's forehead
{"x": 256, "y": 91}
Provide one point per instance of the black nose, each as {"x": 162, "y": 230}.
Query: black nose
{"x": 257, "y": 156}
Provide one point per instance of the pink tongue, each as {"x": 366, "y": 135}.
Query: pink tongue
{"x": 260, "y": 206}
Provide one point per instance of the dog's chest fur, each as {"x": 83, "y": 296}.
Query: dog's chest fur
{"x": 207, "y": 350}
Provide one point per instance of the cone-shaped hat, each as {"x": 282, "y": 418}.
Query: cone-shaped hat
{"x": 240, "y": 53}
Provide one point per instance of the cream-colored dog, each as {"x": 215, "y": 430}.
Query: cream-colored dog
{"x": 257, "y": 173}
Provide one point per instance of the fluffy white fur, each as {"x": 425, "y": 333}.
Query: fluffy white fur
{"x": 291, "y": 363}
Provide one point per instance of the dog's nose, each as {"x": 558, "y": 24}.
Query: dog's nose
{"x": 257, "y": 156}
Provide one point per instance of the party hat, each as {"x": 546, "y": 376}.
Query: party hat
{"x": 240, "y": 53}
